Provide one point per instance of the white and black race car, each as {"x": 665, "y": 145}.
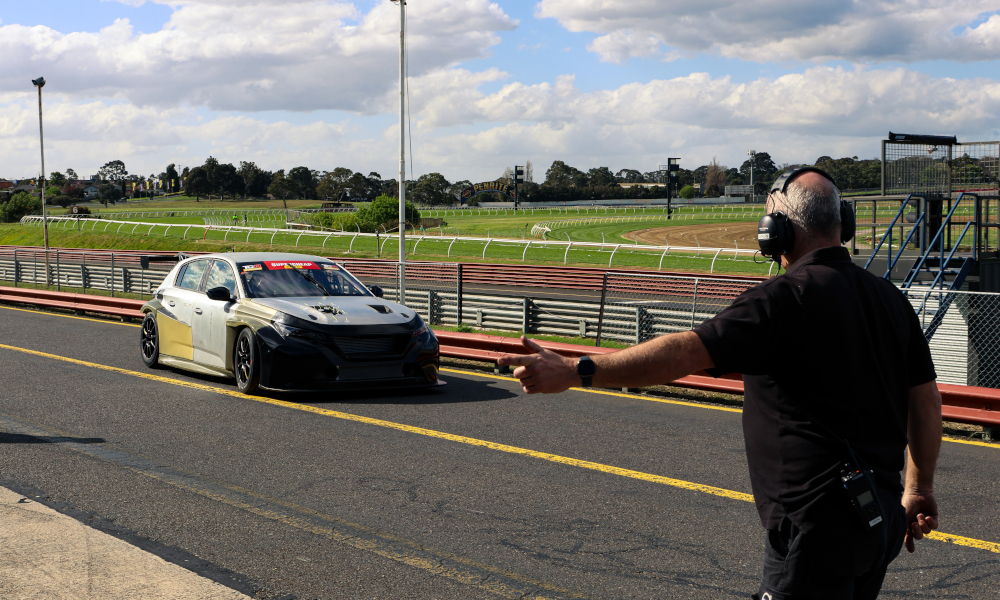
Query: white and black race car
{"x": 288, "y": 322}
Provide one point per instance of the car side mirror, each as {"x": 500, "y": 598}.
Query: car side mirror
{"x": 219, "y": 293}
{"x": 376, "y": 290}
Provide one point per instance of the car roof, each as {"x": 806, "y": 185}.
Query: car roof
{"x": 241, "y": 257}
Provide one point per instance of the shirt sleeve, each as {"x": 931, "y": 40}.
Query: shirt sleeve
{"x": 739, "y": 339}
{"x": 920, "y": 366}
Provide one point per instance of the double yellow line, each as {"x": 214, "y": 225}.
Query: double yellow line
{"x": 575, "y": 462}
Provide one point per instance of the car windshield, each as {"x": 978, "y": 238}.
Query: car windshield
{"x": 283, "y": 279}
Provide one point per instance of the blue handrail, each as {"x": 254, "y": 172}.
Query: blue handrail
{"x": 946, "y": 261}
{"x": 944, "y": 225}
{"x": 888, "y": 230}
{"x": 902, "y": 247}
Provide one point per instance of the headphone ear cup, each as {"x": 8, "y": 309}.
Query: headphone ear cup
{"x": 848, "y": 222}
{"x": 775, "y": 235}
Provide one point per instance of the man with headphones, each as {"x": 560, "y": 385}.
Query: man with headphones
{"x": 838, "y": 382}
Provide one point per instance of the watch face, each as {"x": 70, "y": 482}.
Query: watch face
{"x": 585, "y": 367}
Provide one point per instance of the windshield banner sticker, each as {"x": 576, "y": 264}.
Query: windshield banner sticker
{"x": 252, "y": 268}
{"x": 331, "y": 267}
{"x": 290, "y": 264}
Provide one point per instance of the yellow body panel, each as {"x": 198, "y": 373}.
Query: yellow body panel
{"x": 175, "y": 337}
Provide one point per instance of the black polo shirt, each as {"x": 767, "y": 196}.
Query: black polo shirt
{"x": 828, "y": 342}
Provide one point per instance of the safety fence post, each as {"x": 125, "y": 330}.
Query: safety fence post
{"x": 694, "y": 302}
{"x": 112, "y": 274}
{"x": 58, "y": 273}
{"x": 458, "y": 295}
{"x": 525, "y": 315}
{"x": 600, "y": 316}
{"x": 711, "y": 268}
{"x": 16, "y": 268}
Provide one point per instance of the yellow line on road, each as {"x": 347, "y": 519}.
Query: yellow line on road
{"x": 575, "y": 462}
{"x": 605, "y": 392}
{"x": 52, "y": 314}
{"x": 503, "y": 378}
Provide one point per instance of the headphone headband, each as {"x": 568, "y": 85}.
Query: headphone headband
{"x": 781, "y": 183}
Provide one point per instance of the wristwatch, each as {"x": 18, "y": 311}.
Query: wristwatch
{"x": 586, "y": 368}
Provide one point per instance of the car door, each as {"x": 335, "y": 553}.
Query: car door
{"x": 211, "y": 334}
{"x": 175, "y": 321}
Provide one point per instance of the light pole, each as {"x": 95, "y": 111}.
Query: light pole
{"x": 402, "y": 151}
{"x": 40, "y": 83}
{"x": 753, "y": 192}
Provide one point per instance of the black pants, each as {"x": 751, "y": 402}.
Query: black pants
{"x": 833, "y": 559}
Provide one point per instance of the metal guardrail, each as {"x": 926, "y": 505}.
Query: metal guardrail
{"x": 966, "y": 404}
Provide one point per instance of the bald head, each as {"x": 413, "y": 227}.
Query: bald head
{"x": 812, "y": 203}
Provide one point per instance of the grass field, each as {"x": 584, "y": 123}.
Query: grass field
{"x": 427, "y": 249}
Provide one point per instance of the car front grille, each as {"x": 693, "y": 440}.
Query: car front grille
{"x": 373, "y": 371}
{"x": 369, "y": 346}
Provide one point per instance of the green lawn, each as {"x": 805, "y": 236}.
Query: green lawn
{"x": 427, "y": 249}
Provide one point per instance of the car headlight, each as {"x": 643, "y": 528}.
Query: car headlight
{"x": 421, "y": 331}
{"x": 285, "y": 331}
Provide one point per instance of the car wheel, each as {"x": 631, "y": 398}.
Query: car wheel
{"x": 246, "y": 363}
{"x": 149, "y": 340}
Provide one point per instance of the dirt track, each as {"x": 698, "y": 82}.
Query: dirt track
{"x": 725, "y": 235}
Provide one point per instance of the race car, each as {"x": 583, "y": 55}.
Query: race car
{"x": 285, "y": 322}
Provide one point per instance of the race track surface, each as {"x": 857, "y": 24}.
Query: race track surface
{"x": 473, "y": 490}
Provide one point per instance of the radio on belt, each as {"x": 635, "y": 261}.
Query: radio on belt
{"x": 861, "y": 492}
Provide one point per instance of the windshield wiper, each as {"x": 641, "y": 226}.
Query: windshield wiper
{"x": 311, "y": 280}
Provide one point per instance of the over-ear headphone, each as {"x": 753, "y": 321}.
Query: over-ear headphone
{"x": 775, "y": 234}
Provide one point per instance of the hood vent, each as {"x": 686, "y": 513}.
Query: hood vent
{"x": 380, "y": 308}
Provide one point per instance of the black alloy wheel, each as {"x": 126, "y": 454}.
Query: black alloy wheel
{"x": 246, "y": 363}
{"x": 149, "y": 340}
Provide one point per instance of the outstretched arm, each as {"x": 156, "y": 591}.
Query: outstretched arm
{"x": 657, "y": 361}
{"x": 924, "y": 432}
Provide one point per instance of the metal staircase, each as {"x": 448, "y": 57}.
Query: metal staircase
{"x": 941, "y": 267}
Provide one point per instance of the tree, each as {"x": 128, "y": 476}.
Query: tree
{"x": 247, "y": 172}
{"x": 57, "y": 179}
{"x": 258, "y": 186}
{"x": 629, "y": 176}
{"x": 228, "y": 180}
{"x": 19, "y": 205}
{"x": 211, "y": 168}
{"x": 454, "y": 191}
{"x": 73, "y": 191}
{"x": 529, "y": 172}
{"x": 715, "y": 178}
{"x": 109, "y": 193}
{"x": 171, "y": 180}
{"x": 600, "y": 176}
{"x": 60, "y": 200}
{"x": 197, "y": 183}
{"x": 52, "y": 191}
{"x": 764, "y": 170}
{"x": 115, "y": 172}
{"x": 304, "y": 181}
{"x": 562, "y": 175}
{"x": 431, "y": 189}
{"x": 71, "y": 175}
{"x": 383, "y": 214}
{"x": 281, "y": 187}
{"x": 687, "y": 192}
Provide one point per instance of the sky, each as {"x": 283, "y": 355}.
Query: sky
{"x": 615, "y": 83}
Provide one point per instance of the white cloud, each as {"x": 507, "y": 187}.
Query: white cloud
{"x": 254, "y": 55}
{"x": 782, "y": 30}
{"x": 619, "y": 45}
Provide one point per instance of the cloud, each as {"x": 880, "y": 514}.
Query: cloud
{"x": 782, "y": 30}
{"x": 254, "y": 56}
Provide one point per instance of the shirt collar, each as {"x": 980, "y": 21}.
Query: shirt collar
{"x": 831, "y": 254}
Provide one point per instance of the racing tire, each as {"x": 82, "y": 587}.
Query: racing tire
{"x": 149, "y": 341}
{"x": 246, "y": 362}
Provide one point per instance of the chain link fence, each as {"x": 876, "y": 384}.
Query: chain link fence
{"x": 940, "y": 169}
{"x": 964, "y": 332}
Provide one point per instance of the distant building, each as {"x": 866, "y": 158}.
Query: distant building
{"x": 91, "y": 192}
{"x": 5, "y": 184}
{"x": 644, "y": 185}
